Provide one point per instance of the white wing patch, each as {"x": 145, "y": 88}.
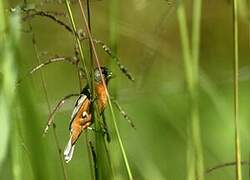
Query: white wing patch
{"x": 78, "y": 105}
{"x": 84, "y": 115}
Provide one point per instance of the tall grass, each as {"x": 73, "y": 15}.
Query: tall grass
{"x": 117, "y": 133}
{"x": 236, "y": 91}
{"x": 191, "y": 64}
{"x": 17, "y": 108}
{"x": 6, "y": 84}
{"x": 9, "y": 38}
{"x": 43, "y": 81}
{"x": 157, "y": 148}
{"x": 101, "y": 146}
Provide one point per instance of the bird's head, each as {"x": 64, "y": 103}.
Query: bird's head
{"x": 107, "y": 74}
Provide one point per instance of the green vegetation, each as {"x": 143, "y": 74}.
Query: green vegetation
{"x": 189, "y": 100}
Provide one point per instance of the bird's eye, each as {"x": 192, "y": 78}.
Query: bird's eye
{"x": 84, "y": 114}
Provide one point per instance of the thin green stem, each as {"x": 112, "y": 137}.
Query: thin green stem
{"x": 65, "y": 175}
{"x": 248, "y": 28}
{"x": 185, "y": 43}
{"x": 84, "y": 66}
{"x": 109, "y": 101}
{"x": 78, "y": 41}
{"x": 188, "y": 70}
{"x": 2, "y": 22}
{"x": 197, "y": 4}
{"x": 236, "y": 91}
{"x": 90, "y": 150}
{"x": 191, "y": 64}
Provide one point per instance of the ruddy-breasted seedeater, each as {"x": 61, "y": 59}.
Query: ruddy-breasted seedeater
{"x": 81, "y": 117}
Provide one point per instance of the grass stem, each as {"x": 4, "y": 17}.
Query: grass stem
{"x": 78, "y": 41}
{"x": 87, "y": 75}
{"x": 236, "y": 91}
{"x": 65, "y": 174}
{"x": 191, "y": 64}
{"x": 197, "y": 5}
{"x": 109, "y": 101}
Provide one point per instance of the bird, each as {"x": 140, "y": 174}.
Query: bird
{"x": 100, "y": 87}
{"x": 81, "y": 118}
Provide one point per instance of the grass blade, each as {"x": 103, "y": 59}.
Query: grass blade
{"x": 197, "y": 4}
{"x": 191, "y": 64}
{"x": 8, "y": 72}
{"x": 236, "y": 91}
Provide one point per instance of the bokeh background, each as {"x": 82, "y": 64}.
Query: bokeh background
{"x": 145, "y": 35}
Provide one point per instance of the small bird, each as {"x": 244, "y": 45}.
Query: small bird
{"x": 100, "y": 88}
{"x": 81, "y": 117}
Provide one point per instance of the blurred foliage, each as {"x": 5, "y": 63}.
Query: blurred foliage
{"x": 145, "y": 35}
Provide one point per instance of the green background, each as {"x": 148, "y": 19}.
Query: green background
{"x": 145, "y": 35}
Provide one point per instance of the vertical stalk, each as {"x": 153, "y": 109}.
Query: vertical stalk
{"x": 197, "y": 4}
{"x": 236, "y": 91}
{"x": 196, "y": 33}
{"x": 87, "y": 75}
{"x": 65, "y": 175}
{"x": 2, "y": 22}
{"x": 191, "y": 64}
{"x": 16, "y": 153}
{"x": 91, "y": 150}
{"x": 8, "y": 73}
{"x": 248, "y": 16}
{"x": 108, "y": 97}
{"x": 78, "y": 41}
{"x": 181, "y": 14}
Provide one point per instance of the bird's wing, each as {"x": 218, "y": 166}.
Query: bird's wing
{"x": 78, "y": 104}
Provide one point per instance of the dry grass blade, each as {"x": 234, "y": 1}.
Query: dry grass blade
{"x": 34, "y": 12}
{"x": 58, "y": 59}
{"x": 65, "y": 175}
{"x": 55, "y": 109}
{"x": 81, "y": 35}
{"x": 224, "y": 165}
{"x": 220, "y": 166}
{"x": 50, "y": 61}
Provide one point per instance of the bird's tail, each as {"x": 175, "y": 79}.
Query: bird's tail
{"x": 69, "y": 150}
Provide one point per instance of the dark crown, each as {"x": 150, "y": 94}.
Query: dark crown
{"x": 107, "y": 74}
